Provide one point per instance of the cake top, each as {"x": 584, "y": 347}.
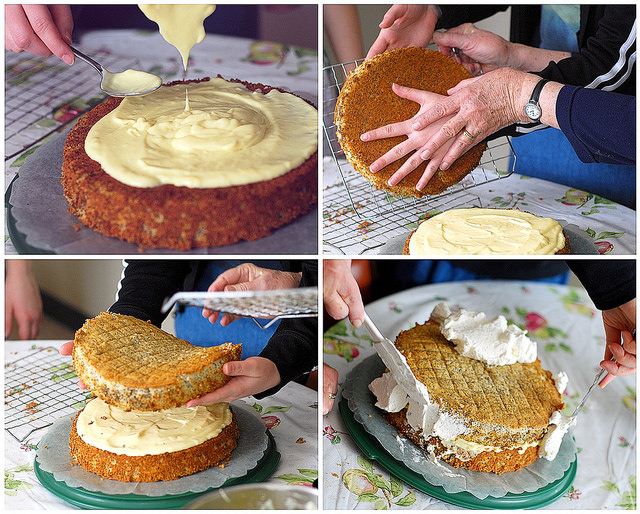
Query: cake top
{"x": 367, "y": 101}
{"x": 476, "y": 231}
{"x": 513, "y": 396}
{"x": 132, "y": 353}
{"x": 223, "y": 135}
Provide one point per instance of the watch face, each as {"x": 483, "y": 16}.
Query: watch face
{"x": 533, "y": 111}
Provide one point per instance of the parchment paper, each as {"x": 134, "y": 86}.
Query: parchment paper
{"x": 53, "y": 457}
{"x": 453, "y": 480}
{"x": 41, "y": 214}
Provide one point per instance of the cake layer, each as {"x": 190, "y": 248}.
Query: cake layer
{"x": 367, "y": 101}
{"x": 179, "y": 217}
{"x": 151, "y": 468}
{"x": 135, "y": 365}
{"x": 476, "y": 231}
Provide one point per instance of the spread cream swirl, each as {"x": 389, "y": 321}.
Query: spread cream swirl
{"x": 227, "y": 136}
{"x": 487, "y": 232}
{"x": 137, "y": 433}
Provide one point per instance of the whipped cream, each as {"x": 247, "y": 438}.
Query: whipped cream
{"x": 559, "y": 425}
{"x": 560, "y": 379}
{"x": 493, "y": 341}
{"x": 390, "y": 395}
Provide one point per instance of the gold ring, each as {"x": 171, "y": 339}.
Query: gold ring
{"x": 468, "y": 135}
{"x": 332, "y": 396}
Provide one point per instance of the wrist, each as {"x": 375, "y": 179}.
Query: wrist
{"x": 528, "y": 84}
{"x": 515, "y": 56}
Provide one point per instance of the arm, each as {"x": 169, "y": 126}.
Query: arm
{"x": 342, "y": 26}
{"x": 22, "y": 300}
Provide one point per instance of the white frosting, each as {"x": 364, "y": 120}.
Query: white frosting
{"x": 558, "y": 427}
{"x": 493, "y": 341}
{"x": 561, "y": 380}
{"x": 391, "y": 396}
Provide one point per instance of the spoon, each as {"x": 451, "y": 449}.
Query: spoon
{"x": 125, "y": 83}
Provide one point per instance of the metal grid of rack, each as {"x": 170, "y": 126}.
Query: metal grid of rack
{"x": 36, "y": 109}
{"x": 39, "y": 388}
{"x": 358, "y": 218}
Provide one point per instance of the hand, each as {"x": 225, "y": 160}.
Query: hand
{"x": 249, "y": 277}
{"x": 22, "y": 300}
{"x": 618, "y": 324}
{"x": 329, "y": 386}
{"x": 476, "y": 108}
{"x": 39, "y": 29}
{"x": 404, "y": 26}
{"x": 250, "y": 376}
{"x": 482, "y": 51}
{"x": 67, "y": 349}
{"x": 341, "y": 294}
{"x": 416, "y": 139}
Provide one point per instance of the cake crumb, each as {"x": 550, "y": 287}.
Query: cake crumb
{"x": 300, "y": 440}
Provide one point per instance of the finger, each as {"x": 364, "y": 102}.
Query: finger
{"x": 390, "y": 17}
{"x": 397, "y": 152}
{"x": 392, "y": 130}
{"x": 450, "y": 39}
{"x": 612, "y": 336}
{"x": 449, "y": 131}
{"x": 227, "y": 319}
{"x": 629, "y": 342}
{"x": 21, "y": 32}
{"x": 63, "y": 19}
{"x": 81, "y": 384}
{"x": 441, "y": 109}
{"x": 44, "y": 27}
{"x": 335, "y": 306}
{"x": 66, "y": 348}
{"x": 461, "y": 145}
{"x": 427, "y": 175}
{"x": 227, "y": 393}
{"x": 379, "y": 45}
{"x": 463, "y": 84}
{"x": 415, "y": 95}
{"x": 230, "y": 276}
{"x": 8, "y": 324}
{"x": 606, "y": 380}
{"x": 623, "y": 358}
{"x": 613, "y": 368}
{"x": 407, "y": 167}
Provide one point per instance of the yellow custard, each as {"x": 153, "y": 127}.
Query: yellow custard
{"x": 227, "y": 136}
{"x": 487, "y": 232}
{"x": 181, "y": 25}
{"x": 129, "y": 81}
{"x": 137, "y": 433}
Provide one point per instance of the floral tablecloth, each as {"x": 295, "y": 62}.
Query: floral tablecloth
{"x": 290, "y": 415}
{"x": 568, "y": 329}
{"x": 43, "y": 96}
{"x": 598, "y": 225}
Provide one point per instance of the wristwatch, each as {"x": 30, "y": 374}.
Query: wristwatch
{"x": 533, "y": 109}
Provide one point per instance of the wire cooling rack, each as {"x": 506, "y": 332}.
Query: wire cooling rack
{"x": 43, "y": 95}
{"x": 39, "y": 388}
{"x": 378, "y": 214}
{"x": 275, "y": 304}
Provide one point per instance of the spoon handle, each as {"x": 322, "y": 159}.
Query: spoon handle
{"x": 88, "y": 60}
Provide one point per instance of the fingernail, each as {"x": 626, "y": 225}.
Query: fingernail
{"x": 373, "y": 168}
{"x": 444, "y": 165}
{"x": 68, "y": 59}
{"x": 425, "y": 155}
{"x": 419, "y": 186}
{"x": 356, "y": 322}
{"x": 364, "y": 137}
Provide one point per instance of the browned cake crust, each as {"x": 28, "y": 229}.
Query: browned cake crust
{"x": 508, "y": 460}
{"x": 152, "y": 468}
{"x": 180, "y": 217}
{"x": 133, "y": 364}
{"x": 566, "y": 249}
{"x": 502, "y": 406}
{"x": 367, "y": 102}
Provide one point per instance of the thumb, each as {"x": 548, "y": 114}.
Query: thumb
{"x": 451, "y": 39}
{"x": 236, "y": 368}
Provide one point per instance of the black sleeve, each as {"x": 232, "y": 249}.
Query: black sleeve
{"x": 609, "y": 283}
{"x": 607, "y": 55}
{"x": 454, "y": 15}
{"x": 293, "y": 348}
{"x": 145, "y": 285}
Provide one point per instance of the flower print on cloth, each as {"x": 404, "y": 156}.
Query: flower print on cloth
{"x": 576, "y": 304}
{"x": 627, "y": 499}
{"x": 337, "y": 341}
{"x": 12, "y": 485}
{"x": 332, "y": 434}
{"x": 305, "y": 478}
{"x": 270, "y": 422}
{"x": 372, "y": 487}
{"x": 572, "y": 493}
{"x": 539, "y": 329}
{"x": 629, "y": 400}
{"x": 508, "y": 202}
{"x": 599, "y": 240}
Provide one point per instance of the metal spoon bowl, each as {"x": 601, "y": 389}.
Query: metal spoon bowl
{"x": 106, "y": 84}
